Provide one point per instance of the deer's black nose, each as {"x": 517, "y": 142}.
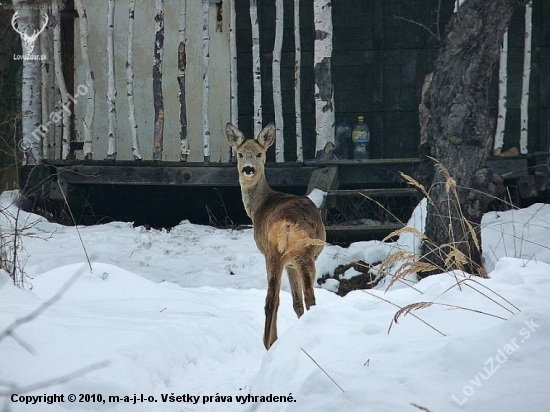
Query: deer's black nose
{"x": 248, "y": 170}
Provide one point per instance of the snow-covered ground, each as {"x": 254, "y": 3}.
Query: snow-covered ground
{"x": 177, "y": 317}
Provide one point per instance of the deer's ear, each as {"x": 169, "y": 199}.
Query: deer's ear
{"x": 267, "y": 135}
{"x": 234, "y": 136}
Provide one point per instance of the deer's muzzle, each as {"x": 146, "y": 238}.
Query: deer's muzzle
{"x": 248, "y": 171}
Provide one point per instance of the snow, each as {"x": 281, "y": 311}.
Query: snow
{"x": 180, "y": 313}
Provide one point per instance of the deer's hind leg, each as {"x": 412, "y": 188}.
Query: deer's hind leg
{"x": 274, "y": 274}
{"x": 306, "y": 268}
{"x": 296, "y": 289}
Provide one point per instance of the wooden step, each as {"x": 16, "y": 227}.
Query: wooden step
{"x": 395, "y": 192}
{"x": 363, "y": 232}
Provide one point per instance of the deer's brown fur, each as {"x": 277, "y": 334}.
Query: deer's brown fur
{"x": 288, "y": 229}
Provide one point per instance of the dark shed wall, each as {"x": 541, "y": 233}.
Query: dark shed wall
{"x": 378, "y": 66}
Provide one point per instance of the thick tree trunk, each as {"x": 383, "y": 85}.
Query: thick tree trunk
{"x": 111, "y": 82}
{"x": 460, "y": 134}
{"x": 130, "y": 81}
{"x": 324, "y": 97}
{"x": 277, "y": 96}
{"x": 297, "y": 82}
{"x": 158, "y": 100}
{"x": 182, "y": 65}
{"x": 31, "y": 99}
{"x": 90, "y": 95}
{"x": 256, "y": 67}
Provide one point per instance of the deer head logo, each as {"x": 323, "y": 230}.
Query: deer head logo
{"x": 29, "y": 40}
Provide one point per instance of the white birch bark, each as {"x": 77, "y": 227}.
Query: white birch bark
{"x": 233, "y": 68}
{"x": 31, "y": 90}
{"x": 256, "y": 67}
{"x": 502, "y": 95}
{"x": 136, "y": 153}
{"x": 48, "y": 91}
{"x": 297, "y": 82}
{"x": 111, "y": 86}
{"x": 324, "y": 98}
{"x": 158, "y": 100}
{"x": 64, "y": 135}
{"x": 524, "y": 134}
{"x": 182, "y": 66}
{"x": 90, "y": 94}
{"x": 206, "y": 78}
{"x": 58, "y": 101}
{"x": 277, "y": 96}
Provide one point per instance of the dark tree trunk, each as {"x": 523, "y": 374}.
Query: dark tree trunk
{"x": 460, "y": 133}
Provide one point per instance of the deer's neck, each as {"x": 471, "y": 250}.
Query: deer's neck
{"x": 254, "y": 195}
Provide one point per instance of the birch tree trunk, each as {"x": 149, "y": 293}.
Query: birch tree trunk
{"x": 524, "y": 134}
{"x": 324, "y": 99}
{"x": 502, "y": 95}
{"x": 64, "y": 137}
{"x": 206, "y": 78}
{"x": 297, "y": 82}
{"x": 277, "y": 96}
{"x": 31, "y": 99}
{"x": 233, "y": 68}
{"x": 158, "y": 101}
{"x": 111, "y": 86}
{"x": 182, "y": 63}
{"x": 256, "y": 67}
{"x": 130, "y": 81}
{"x": 90, "y": 95}
{"x": 48, "y": 91}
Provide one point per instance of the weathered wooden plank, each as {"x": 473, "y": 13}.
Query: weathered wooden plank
{"x": 324, "y": 179}
{"x": 175, "y": 176}
{"x": 395, "y": 192}
{"x": 361, "y": 231}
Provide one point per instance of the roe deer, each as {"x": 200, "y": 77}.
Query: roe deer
{"x": 288, "y": 229}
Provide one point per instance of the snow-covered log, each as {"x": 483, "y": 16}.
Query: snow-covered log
{"x": 130, "y": 81}
{"x": 182, "y": 63}
{"x": 277, "y": 96}
{"x": 502, "y": 95}
{"x": 324, "y": 98}
{"x": 62, "y": 136}
{"x": 206, "y": 78}
{"x": 158, "y": 100}
{"x": 524, "y": 134}
{"x": 256, "y": 67}
{"x": 23, "y": 21}
{"x": 111, "y": 80}
{"x": 90, "y": 95}
{"x": 297, "y": 82}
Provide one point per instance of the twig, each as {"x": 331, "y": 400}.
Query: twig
{"x": 319, "y": 366}
{"x": 412, "y": 314}
{"x": 9, "y": 331}
{"x": 420, "y": 25}
{"x": 56, "y": 381}
{"x": 76, "y": 226}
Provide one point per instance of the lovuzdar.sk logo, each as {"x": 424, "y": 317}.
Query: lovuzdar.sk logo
{"x": 29, "y": 38}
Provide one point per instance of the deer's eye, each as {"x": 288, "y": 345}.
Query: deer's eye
{"x": 240, "y": 155}
{"x": 259, "y": 155}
